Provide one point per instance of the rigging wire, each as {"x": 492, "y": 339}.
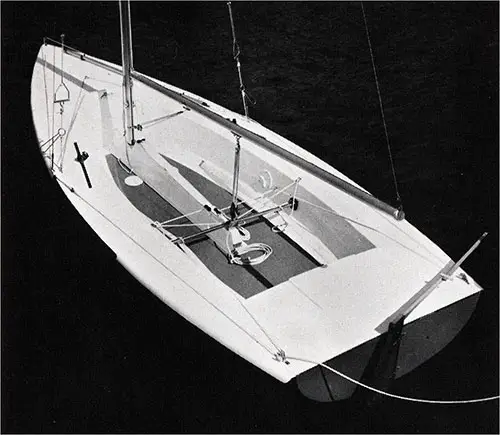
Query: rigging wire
{"x": 53, "y": 108}
{"x": 165, "y": 223}
{"x": 398, "y": 195}
{"x": 272, "y": 196}
{"x": 236, "y": 54}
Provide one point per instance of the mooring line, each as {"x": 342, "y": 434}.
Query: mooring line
{"x": 394, "y": 396}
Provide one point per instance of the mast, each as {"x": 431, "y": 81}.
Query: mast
{"x": 127, "y": 67}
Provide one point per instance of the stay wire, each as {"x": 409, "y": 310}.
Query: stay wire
{"x": 398, "y": 195}
{"x": 236, "y": 55}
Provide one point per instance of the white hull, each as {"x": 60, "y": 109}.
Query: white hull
{"x": 318, "y": 314}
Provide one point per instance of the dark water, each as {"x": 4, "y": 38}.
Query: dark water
{"x": 86, "y": 349}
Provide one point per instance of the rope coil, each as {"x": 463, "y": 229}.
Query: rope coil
{"x": 249, "y": 261}
{"x": 236, "y": 252}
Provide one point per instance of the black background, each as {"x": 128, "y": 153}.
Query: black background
{"x": 86, "y": 349}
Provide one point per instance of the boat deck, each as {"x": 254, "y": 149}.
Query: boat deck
{"x": 374, "y": 264}
{"x": 287, "y": 260}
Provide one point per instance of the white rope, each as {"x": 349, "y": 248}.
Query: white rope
{"x": 284, "y": 188}
{"x": 165, "y": 223}
{"x": 272, "y": 196}
{"x": 187, "y": 225}
{"x": 253, "y": 203}
{"x": 246, "y": 249}
{"x": 253, "y": 247}
{"x": 181, "y": 217}
{"x": 395, "y": 396}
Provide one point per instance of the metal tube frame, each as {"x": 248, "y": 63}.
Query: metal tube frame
{"x": 231, "y": 223}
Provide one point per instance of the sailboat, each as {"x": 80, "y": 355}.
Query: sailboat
{"x": 256, "y": 241}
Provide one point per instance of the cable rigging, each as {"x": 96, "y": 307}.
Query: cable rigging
{"x": 391, "y": 159}
{"x": 236, "y": 55}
